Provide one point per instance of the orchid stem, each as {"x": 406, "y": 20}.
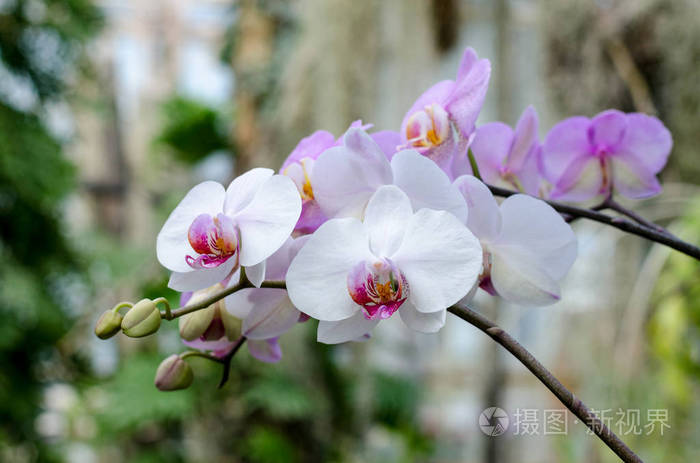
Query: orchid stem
{"x": 472, "y": 162}
{"x": 121, "y": 305}
{"x": 634, "y": 228}
{"x": 195, "y": 353}
{"x": 164, "y": 301}
{"x": 226, "y": 360}
{"x": 184, "y": 310}
{"x": 574, "y": 404}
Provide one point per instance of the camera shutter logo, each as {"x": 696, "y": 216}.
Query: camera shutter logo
{"x": 493, "y": 421}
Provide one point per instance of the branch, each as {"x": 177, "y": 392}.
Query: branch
{"x": 226, "y": 360}
{"x": 243, "y": 284}
{"x": 566, "y": 397}
{"x": 651, "y": 233}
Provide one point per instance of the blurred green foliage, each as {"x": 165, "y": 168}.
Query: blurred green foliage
{"x": 192, "y": 130}
{"x": 40, "y": 43}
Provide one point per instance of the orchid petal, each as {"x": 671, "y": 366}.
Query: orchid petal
{"x": 387, "y": 211}
{"x": 491, "y": 147}
{"x": 172, "y": 244}
{"x": 345, "y": 177}
{"x": 388, "y": 141}
{"x": 438, "y": 93}
{"x": 268, "y": 220}
{"x": 647, "y": 142}
{"x": 349, "y": 329}
{"x": 632, "y": 180}
{"x": 440, "y": 258}
{"x": 243, "y": 189}
{"x": 426, "y": 184}
{"x": 256, "y": 273}
{"x": 521, "y": 282}
{"x": 202, "y": 278}
{"x": 317, "y": 277}
{"x": 309, "y": 147}
{"x": 467, "y": 97}
{"x": 582, "y": 180}
{"x": 484, "y": 215}
{"x": 419, "y": 321}
{"x": 269, "y": 311}
{"x": 536, "y": 233}
{"x": 608, "y": 129}
{"x": 267, "y": 350}
{"x": 525, "y": 137}
{"x": 568, "y": 140}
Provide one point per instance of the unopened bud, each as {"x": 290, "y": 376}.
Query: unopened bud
{"x": 173, "y": 373}
{"x": 142, "y": 319}
{"x": 193, "y": 325}
{"x": 108, "y": 324}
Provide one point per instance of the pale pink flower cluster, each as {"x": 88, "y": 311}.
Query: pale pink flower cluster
{"x": 365, "y": 226}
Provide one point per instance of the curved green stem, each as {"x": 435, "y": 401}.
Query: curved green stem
{"x": 121, "y": 305}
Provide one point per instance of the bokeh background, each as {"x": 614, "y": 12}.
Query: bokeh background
{"x": 111, "y": 110}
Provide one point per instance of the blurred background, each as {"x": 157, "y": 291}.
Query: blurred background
{"x": 111, "y": 110}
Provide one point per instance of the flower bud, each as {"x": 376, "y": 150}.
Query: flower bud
{"x": 108, "y": 324}
{"x": 173, "y": 373}
{"x": 142, "y": 319}
{"x": 193, "y": 325}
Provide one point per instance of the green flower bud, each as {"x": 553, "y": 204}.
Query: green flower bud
{"x": 193, "y": 325}
{"x": 142, "y": 319}
{"x": 232, "y": 325}
{"x": 108, "y": 324}
{"x": 173, "y": 373}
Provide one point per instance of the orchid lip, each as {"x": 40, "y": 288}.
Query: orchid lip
{"x": 428, "y": 127}
{"x": 378, "y": 287}
{"x": 214, "y": 238}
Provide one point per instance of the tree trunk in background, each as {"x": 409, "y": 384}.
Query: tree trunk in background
{"x": 351, "y": 60}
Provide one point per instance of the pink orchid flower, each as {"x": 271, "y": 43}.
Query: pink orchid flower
{"x": 440, "y": 124}
{"x": 613, "y": 152}
{"x": 509, "y": 158}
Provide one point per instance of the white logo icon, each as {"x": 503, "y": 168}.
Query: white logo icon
{"x": 493, "y": 421}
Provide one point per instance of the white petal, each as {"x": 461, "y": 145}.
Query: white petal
{"x": 317, "y": 277}
{"x": 540, "y": 233}
{"x": 419, "y": 321}
{"x": 334, "y": 332}
{"x": 244, "y": 187}
{"x": 278, "y": 263}
{"x": 484, "y": 215}
{"x": 523, "y": 283}
{"x": 256, "y": 273}
{"x": 385, "y": 217}
{"x": 345, "y": 177}
{"x": 202, "y": 278}
{"x": 440, "y": 258}
{"x": 172, "y": 244}
{"x": 270, "y": 312}
{"x": 266, "y": 223}
{"x": 426, "y": 184}
{"x": 237, "y": 304}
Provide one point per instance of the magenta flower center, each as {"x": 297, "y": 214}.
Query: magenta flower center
{"x": 379, "y": 287}
{"x": 428, "y": 127}
{"x": 215, "y": 239}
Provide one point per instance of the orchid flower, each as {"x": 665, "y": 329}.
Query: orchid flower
{"x": 345, "y": 178}
{"x": 440, "y": 124}
{"x": 300, "y": 164}
{"x": 267, "y": 312}
{"x": 528, "y": 247}
{"x": 509, "y": 158}
{"x": 352, "y": 274}
{"x": 213, "y": 231}
{"x": 220, "y": 330}
{"x": 613, "y": 152}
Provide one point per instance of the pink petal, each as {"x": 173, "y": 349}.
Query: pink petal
{"x": 567, "y": 141}
{"x": 467, "y": 97}
{"x": 525, "y": 139}
{"x": 608, "y": 130}
{"x": 267, "y": 350}
{"x": 491, "y": 147}
{"x": 582, "y": 180}
{"x": 388, "y": 141}
{"x": 310, "y": 147}
{"x": 647, "y": 142}
{"x": 632, "y": 180}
